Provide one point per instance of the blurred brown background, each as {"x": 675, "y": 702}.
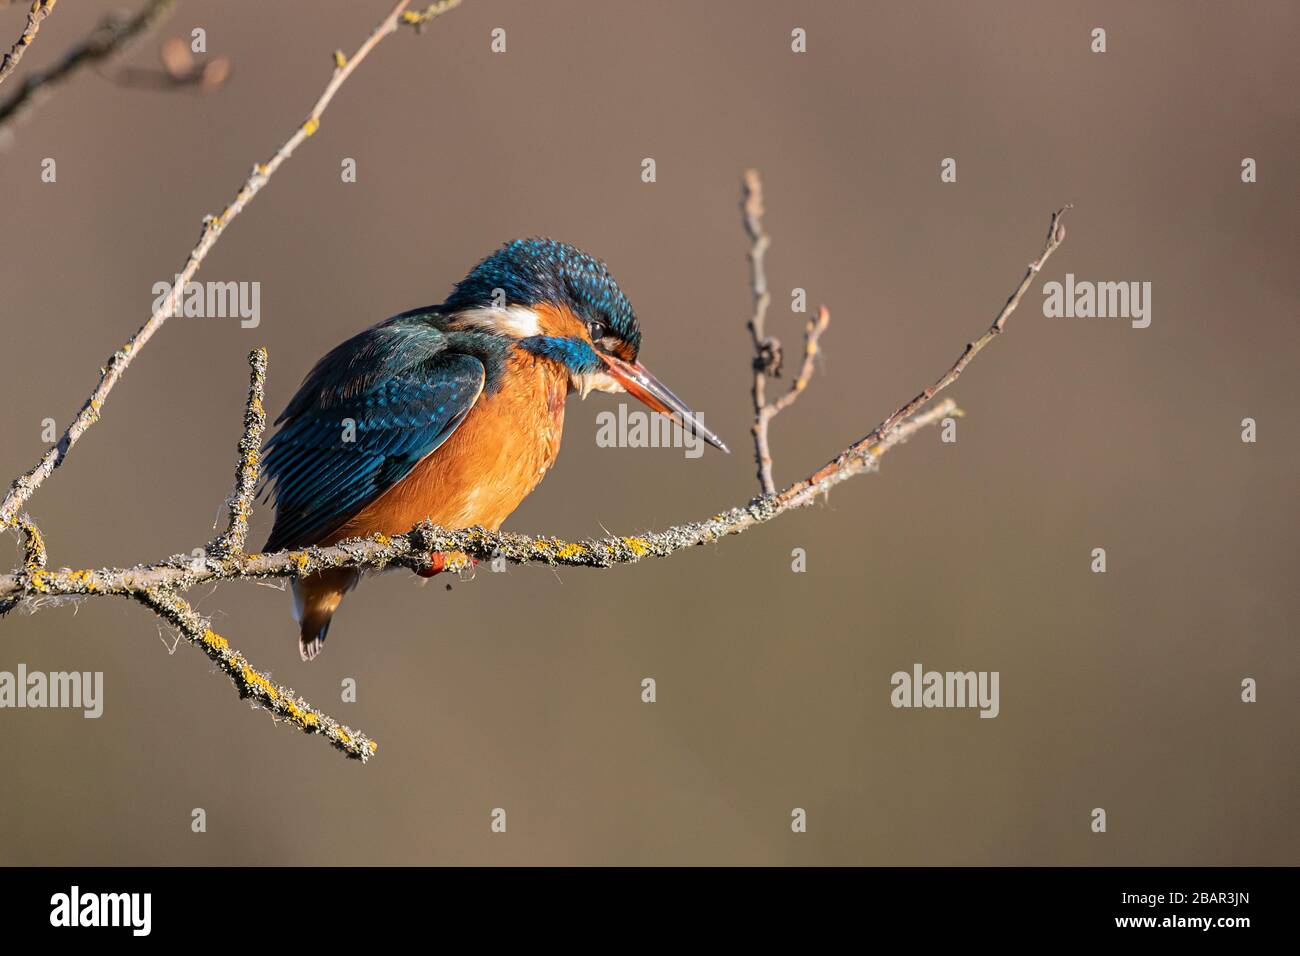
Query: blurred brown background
{"x": 522, "y": 690}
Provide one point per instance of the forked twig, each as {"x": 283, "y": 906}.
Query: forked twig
{"x": 768, "y": 358}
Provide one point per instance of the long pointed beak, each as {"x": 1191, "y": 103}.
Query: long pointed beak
{"x": 642, "y": 384}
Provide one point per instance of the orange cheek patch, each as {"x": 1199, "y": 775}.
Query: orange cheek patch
{"x": 557, "y": 320}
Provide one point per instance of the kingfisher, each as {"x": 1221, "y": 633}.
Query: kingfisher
{"x": 451, "y": 413}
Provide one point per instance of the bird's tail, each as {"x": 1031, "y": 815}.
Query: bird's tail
{"x": 315, "y": 599}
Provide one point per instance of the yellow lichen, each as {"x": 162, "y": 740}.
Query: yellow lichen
{"x": 637, "y": 546}
{"x": 311, "y": 126}
{"x": 82, "y": 579}
{"x": 304, "y": 718}
{"x": 35, "y": 547}
{"x": 255, "y": 679}
{"x": 215, "y": 641}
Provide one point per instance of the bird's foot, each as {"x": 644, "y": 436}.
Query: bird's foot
{"x": 443, "y": 562}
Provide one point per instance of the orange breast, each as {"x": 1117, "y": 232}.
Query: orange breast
{"x": 497, "y": 456}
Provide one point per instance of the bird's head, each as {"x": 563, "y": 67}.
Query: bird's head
{"x": 559, "y": 303}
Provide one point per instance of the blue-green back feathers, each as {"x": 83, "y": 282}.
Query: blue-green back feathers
{"x": 364, "y": 417}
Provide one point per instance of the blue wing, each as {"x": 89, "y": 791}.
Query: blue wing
{"x": 364, "y": 417}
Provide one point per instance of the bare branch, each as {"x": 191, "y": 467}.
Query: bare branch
{"x": 767, "y": 350}
{"x": 39, "y": 11}
{"x": 113, "y": 35}
{"x": 1055, "y": 236}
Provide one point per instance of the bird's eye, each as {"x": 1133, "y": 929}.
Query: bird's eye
{"x": 596, "y": 330}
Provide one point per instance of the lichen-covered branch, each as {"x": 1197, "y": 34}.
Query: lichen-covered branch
{"x": 227, "y": 550}
{"x": 412, "y": 550}
{"x": 34, "y": 556}
{"x": 767, "y": 348}
{"x": 281, "y": 702}
{"x": 231, "y": 543}
{"x": 40, "y": 9}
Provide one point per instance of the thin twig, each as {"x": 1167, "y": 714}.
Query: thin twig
{"x": 39, "y": 11}
{"x": 1055, "y": 236}
{"x": 113, "y": 35}
{"x": 811, "y": 336}
{"x": 767, "y": 350}
{"x": 807, "y": 489}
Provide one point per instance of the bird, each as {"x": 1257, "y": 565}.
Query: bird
{"x": 451, "y": 413}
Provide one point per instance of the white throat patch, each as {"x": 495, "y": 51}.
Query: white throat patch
{"x": 517, "y": 320}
